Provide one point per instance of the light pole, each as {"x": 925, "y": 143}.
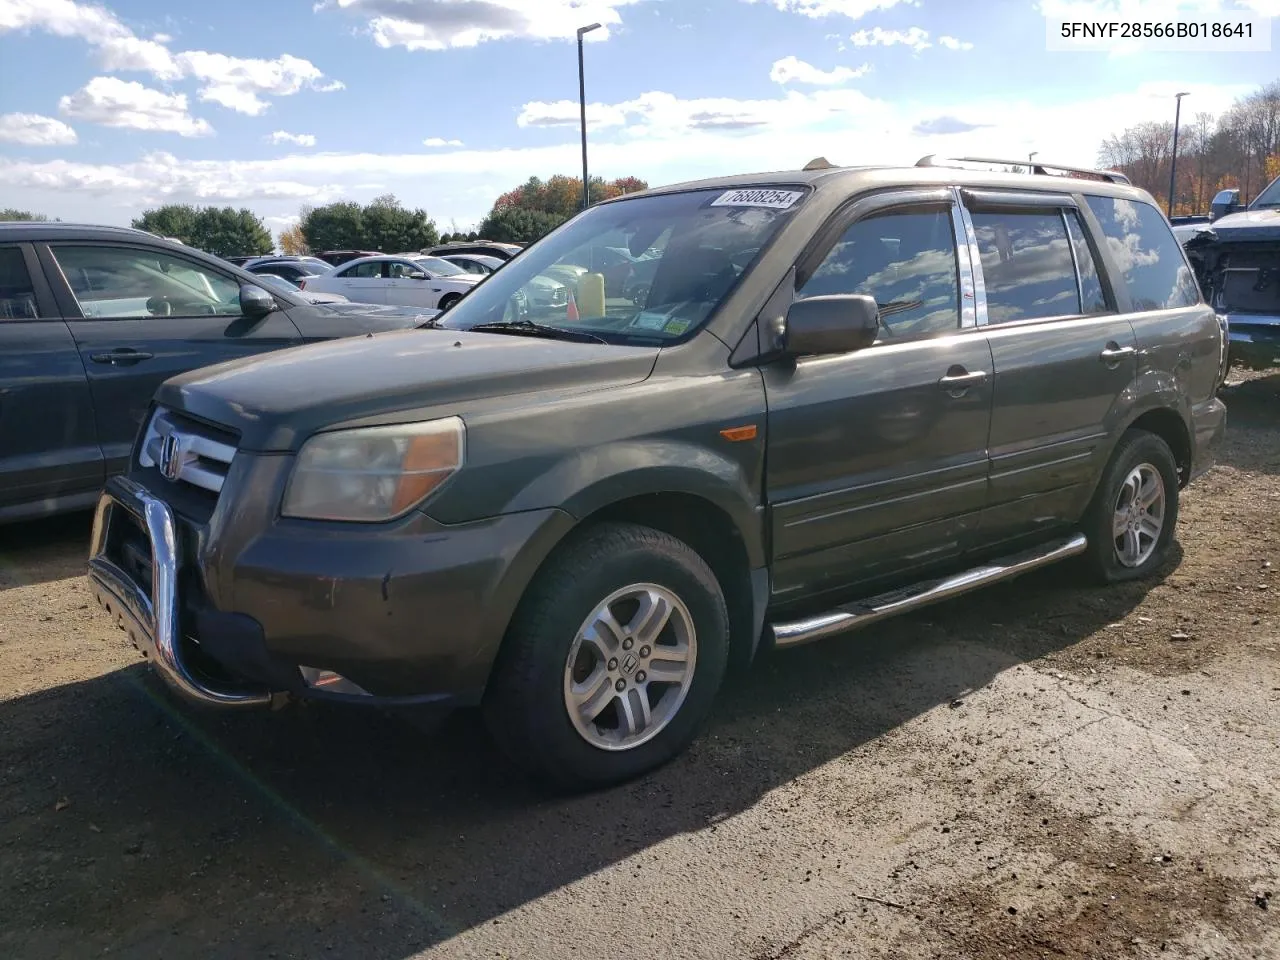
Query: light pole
{"x": 1173, "y": 161}
{"x": 582, "y": 102}
{"x": 1030, "y": 160}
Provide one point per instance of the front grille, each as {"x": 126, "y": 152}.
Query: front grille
{"x": 187, "y": 451}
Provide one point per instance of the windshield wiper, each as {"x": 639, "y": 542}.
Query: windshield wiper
{"x": 528, "y": 328}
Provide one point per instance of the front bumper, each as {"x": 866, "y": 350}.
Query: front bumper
{"x": 237, "y": 610}
{"x": 1254, "y": 340}
{"x": 150, "y": 617}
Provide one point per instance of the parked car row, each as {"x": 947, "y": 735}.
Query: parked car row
{"x": 94, "y": 319}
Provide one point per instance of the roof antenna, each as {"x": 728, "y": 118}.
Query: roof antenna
{"x": 819, "y": 163}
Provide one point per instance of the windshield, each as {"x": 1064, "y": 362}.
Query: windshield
{"x": 647, "y": 270}
{"x": 437, "y": 267}
{"x": 1269, "y": 197}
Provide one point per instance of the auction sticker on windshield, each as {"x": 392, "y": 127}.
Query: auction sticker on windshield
{"x": 777, "y": 199}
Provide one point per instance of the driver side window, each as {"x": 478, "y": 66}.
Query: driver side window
{"x": 906, "y": 259}
{"x": 123, "y": 283}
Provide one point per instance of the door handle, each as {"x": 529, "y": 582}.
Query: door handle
{"x": 121, "y": 358}
{"x": 962, "y": 381}
{"x": 1112, "y": 354}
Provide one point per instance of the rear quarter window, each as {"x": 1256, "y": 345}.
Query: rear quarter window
{"x": 1146, "y": 252}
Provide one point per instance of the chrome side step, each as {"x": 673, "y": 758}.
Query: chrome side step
{"x": 854, "y": 615}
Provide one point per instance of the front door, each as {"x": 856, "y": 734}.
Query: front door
{"x": 139, "y": 316}
{"x": 877, "y": 460}
{"x": 1063, "y": 356}
{"x": 48, "y": 439}
{"x": 407, "y": 285}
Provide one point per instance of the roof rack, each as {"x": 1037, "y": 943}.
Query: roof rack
{"x": 1036, "y": 167}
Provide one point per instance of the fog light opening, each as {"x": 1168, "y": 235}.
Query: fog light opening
{"x": 330, "y": 682}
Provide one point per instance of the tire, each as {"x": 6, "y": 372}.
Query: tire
{"x": 448, "y": 300}
{"x": 527, "y": 704}
{"x": 1138, "y": 454}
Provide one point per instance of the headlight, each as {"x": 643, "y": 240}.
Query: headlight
{"x": 373, "y": 474}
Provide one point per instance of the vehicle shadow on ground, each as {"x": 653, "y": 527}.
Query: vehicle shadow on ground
{"x": 1253, "y": 412}
{"x": 132, "y": 822}
{"x": 39, "y": 551}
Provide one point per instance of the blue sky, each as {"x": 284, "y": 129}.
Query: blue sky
{"x": 107, "y": 108}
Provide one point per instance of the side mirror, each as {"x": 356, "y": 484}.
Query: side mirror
{"x": 1224, "y": 202}
{"x": 817, "y": 326}
{"x": 415, "y": 275}
{"x": 256, "y": 303}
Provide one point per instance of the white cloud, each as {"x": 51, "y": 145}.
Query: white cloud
{"x": 113, "y": 102}
{"x": 33, "y": 130}
{"x": 440, "y": 142}
{"x": 913, "y": 37}
{"x": 662, "y": 138}
{"x": 854, "y": 9}
{"x": 657, "y": 114}
{"x": 952, "y": 43}
{"x": 794, "y": 70}
{"x": 298, "y": 139}
{"x": 237, "y": 83}
{"x": 234, "y": 82}
{"x": 1150, "y": 9}
{"x": 441, "y": 24}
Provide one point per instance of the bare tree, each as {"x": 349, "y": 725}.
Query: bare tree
{"x": 1236, "y": 149}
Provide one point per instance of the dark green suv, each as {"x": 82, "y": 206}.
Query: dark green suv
{"x": 838, "y": 395}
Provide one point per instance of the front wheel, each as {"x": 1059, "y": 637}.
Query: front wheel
{"x": 448, "y": 300}
{"x": 613, "y": 659}
{"x": 1131, "y": 521}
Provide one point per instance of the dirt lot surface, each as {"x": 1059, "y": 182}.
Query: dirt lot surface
{"x": 1042, "y": 771}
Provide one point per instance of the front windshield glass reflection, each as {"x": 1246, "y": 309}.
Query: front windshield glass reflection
{"x": 643, "y": 270}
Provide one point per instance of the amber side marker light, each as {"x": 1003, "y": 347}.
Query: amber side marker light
{"x": 738, "y": 434}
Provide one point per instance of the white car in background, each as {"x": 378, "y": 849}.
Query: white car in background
{"x": 276, "y": 282}
{"x": 543, "y": 291}
{"x": 410, "y": 281}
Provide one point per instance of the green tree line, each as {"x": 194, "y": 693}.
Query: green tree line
{"x": 222, "y": 231}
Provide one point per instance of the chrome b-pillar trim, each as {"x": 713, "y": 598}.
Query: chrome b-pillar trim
{"x": 152, "y": 621}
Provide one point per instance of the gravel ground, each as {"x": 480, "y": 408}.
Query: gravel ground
{"x": 1044, "y": 770}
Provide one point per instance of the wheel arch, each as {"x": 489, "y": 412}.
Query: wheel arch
{"x": 1171, "y": 427}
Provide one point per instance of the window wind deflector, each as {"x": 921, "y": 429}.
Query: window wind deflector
{"x": 1015, "y": 199}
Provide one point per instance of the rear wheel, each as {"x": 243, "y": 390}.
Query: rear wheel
{"x": 448, "y": 300}
{"x": 1131, "y": 521}
{"x": 613, "y": 660}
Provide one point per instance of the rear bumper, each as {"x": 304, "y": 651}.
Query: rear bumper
{"x": 1254, "y": 340}
{"x": 233, "y": 616}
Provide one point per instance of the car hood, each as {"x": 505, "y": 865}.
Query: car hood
{"x": 1249, "y": 226}
{"x": 324, "y": 321}
{"x": 276, "y": 400}
{"x": 464, "y": 277}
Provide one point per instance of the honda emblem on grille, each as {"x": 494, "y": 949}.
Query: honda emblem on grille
{"x": 171, "y": 457}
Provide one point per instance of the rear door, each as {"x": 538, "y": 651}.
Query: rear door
{"x": 360, "y": 282}
{"x": 140, "y": 315}
{"x": 1064, "y": 358}
{"x": 48, "y": 439}
{"x": 877, "y": 459}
